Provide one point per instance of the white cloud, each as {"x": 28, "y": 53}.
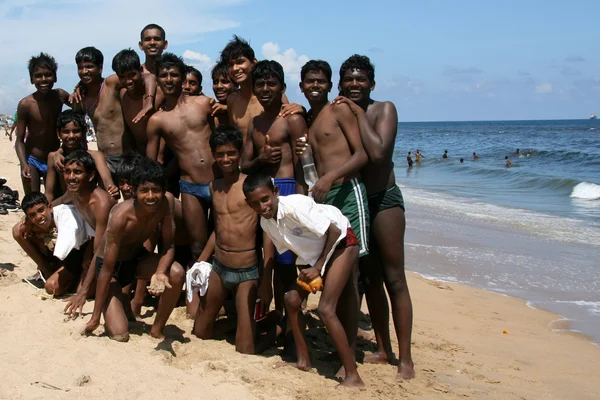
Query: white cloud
{"x": 543, "y": 88}
{"x": 201, "y": 62}
{"x": 290, "y": 60}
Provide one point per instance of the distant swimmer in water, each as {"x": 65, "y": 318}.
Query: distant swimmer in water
{"x": 409, "y": 159}
{"x": 445, "y": 154}
{"x": 475, "y": 156}
{"x": 462, "y": 160}
{"x": 518, "y": 152}
{"x": 418, "y": 156}
{"x": 508, "y": 163}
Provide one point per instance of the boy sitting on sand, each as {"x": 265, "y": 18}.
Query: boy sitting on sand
{"x": 37, "y": 235}
{"x": 321, "y": 237}
{"x": 122, "y": 257}
{"x": 71, "y": 129}
{"x": 236, "y": 264}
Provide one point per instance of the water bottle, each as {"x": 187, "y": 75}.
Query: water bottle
{"x": 308, "y": 166}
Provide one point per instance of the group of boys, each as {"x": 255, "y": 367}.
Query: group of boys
{"x": 245, "y": 204}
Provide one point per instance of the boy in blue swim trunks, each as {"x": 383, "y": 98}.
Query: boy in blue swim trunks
{"x": 378, "y": 121}
{"x": 270, "y": 148}
{"x": 37, "y": 113}
{"x": 236, "y": 262}
{"x": 184, "y": 125}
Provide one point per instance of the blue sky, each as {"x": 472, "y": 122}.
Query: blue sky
{"x": 436, "y": 60}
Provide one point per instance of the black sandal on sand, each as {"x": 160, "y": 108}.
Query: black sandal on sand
{"x": 3, "y": 211}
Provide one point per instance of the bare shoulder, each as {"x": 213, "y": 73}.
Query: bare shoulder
{"x": 382, "y": 109}
{"x": 25, "y": 103}
{"x": 113, "y": 82}
{"x": 100, "y": 198}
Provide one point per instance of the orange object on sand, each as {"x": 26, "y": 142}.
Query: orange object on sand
{"x": 505, "y": 332}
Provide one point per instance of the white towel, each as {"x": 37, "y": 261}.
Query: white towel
{"x": 73, "y": 230}
{"x": 196, "y": 279}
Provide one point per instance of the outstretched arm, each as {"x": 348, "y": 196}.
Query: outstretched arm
{"x": 104, "y": 173}
{"x": 153, "y": 136}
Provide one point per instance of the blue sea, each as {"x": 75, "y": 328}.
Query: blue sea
{"x": 531, "y": 230}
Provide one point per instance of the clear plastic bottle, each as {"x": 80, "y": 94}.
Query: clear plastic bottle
{"x": 308, "y": 166}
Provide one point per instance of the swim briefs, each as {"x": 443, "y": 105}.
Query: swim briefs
{"x": 231, "y": 277}
{"x": 112, "y": 162}
{"x": 350, "y": 198}
{"x": 388, "y": 198}
{"x": 124, "y": 272}
{"x": 41, "y": 166}
{"x": 200, "y": 190}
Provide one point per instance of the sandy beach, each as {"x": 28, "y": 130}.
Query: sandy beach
{"x": 467, "y": 343}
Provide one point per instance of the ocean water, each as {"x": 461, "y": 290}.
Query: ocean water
{"x": 531, "y": 231}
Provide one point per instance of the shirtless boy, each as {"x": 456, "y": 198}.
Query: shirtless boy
{"x": 192, "y": 84}
{"x": 326, "y": 246}
{"x": 153, "y": 41}
{"x": 242, "y": 105}
{"x": 236, "y": 263}
{"x": 378, "y": 121}
{"x": 184, "y": 125}
{"x": 37, "y": 113}
{"x": 100, "y": 99}
{"x": 71, "y": 129}
{"x": 222, "y": 87}
{"x": 36, "y": 234}
{"x": 126, "y": 65}
{"x": 269, "y": 148}
{"x": 121, "y": 256}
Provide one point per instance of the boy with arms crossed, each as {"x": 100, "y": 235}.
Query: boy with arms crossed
{"x": 269, "y": 148}
{"x": 122, "y": 256}
{"x": 236, "y": 265}
{"x": 184, "y": 124}
{"x": 326, "y": 246}
{"x": 37, "y": 113}
{"x": 71, "y": 129}
{"x": 378, "y": 123}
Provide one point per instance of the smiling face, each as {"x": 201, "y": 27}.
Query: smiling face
{"x": 40, "y": 215}
{"x": 240, "y": 69}
{"x": 191, "y": 85}
{"x": 170, "y": 80}
{"x": 152, "y": 43}
{"x": 71, "y": 136}
{"x": 268, "y": 91}
{"x": 315, "y": 86}
{"x": 227, "y": 157}
{"x": 222, "y": 87}
{"x": 130, "y": 80}
{"x": 76, "y": 177}
{"x": 149, "y": 196}
{"x": 125, "y": 188}
{"x": 89, "y": 72}
{"x": 356, "y": 85}
{"x": 264, "y": 201}
{"x": 43, "y": 79}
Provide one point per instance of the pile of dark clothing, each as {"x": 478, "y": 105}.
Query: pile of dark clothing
{"x": 9, "y": 199}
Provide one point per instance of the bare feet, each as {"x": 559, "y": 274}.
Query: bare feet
{"x": 136, "y": 309}
{"x": 364, "y": 335}
{"x": 302, "y": 365}
{"x": 156, "y": 334}
{"x": 406, "y": 371}
{"x": 352, "y": 381}
{"x": 379, "y": 358}
{"x": 341, "y": 374}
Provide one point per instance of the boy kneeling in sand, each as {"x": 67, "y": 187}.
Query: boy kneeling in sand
{"x": 121, "y": 256}
{"x": 321, "y": 237}
{"x": 37, "y": 235}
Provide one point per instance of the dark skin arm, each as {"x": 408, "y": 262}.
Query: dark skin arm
{"x": 104, "y": 174}
{"x": 153, "y": 135}
{"x": 378, "y": 140}
{"x": 309, "y": 274}
{"x": 51, "y": 178}
{"x": 296, "y": 129}
{"x": 22, "y": 115}
{"x": 359, "y": 158}
{"x": 268, "y": 154}
{"x": 40, "y": 259}
{"x": 167, "y": 252}
{"x": 265, "y": 290}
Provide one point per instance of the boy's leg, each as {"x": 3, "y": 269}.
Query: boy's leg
{"x": 115, "y": 320}
{"x": 195, "y": 217}
{"x": 138, "y": 298}
{"x": 245, "y": 300}
{"x": 388, "y": 231}
{"x": 59, "y": 282}
{"x": 341, "y": 265}
{"x": 168, "y": 299}
{"x": 348, "y": 308}
{"x": 293, "y": 309}
{"x": 209, "y": 307}
{"x": 284, "y": 277}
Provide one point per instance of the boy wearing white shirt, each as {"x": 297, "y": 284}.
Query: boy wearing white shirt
{"x": 321, "y": 237}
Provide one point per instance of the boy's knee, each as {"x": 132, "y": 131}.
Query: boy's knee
{"x": 292, "y": 300}
{"x": 177, "y": 273}
{"x": 52, "y": 287}
{"x": 396, "y": 285}
{"x": 123, "y": 337}
{"x": 326, "y": 311}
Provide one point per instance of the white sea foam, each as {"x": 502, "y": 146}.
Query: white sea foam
{"x": 593, "y": 307}
{"x": 586, "y": 191}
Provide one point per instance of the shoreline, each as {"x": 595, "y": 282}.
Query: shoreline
{"x": 459, "y": 347}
